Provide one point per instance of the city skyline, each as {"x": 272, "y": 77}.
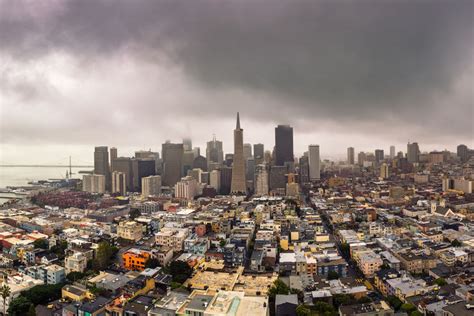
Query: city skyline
{"x": 181, "y": 71}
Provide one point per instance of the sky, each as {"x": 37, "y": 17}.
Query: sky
{"x": 133, "y": 74}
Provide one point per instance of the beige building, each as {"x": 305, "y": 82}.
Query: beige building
{"x": 186, "y": 188}
{"x": 238, "y": 183}
{"x": 130, "y": 230}
{"x": 119, "y": 182}
{"x": 368, "y": 261}
{"x": 172, "y": 237}
{"x": 93, "y": 183}
{"x": 76, "y": 262}
{"x": 151, "y": 186}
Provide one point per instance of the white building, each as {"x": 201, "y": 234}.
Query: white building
{"x": 261, "y": 180}
{"x": 119, "y": 182}
{"x": 93, "y": 183}
{"x": 186, "y": 188}
{"x": 75, "y": 262}
{"x": 314, "y": 162}
{"x": 151, "y": 185}
{"x": 215, "y": 179}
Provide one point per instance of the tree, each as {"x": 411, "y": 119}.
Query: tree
{"x": 408, "y": 308}
{"x": 103, "y": 256}
{"x": 440, "y": 282}
{"x": 456, "y": 243}
{"x": 5, "y": 292}
{"x": 152, "y": 263}
{"x": 343, "y": 299}
{"x": 303, "y": 310}
{"x": 279, "y": 287}
{"x": 222, "y": 243}
{"x": 416, "y": 313}
{"x": 345, "y": 249}
{"x": 333, "y": 275}
{"x": 75, "y": 276}
{"x": 31, "y": 311}
{"x": 394, "y": 302}
{"x": 134, "y": 213}
{"x": 180, "y": 271}
{"x": 364, "y": 300}
{"x": 19, "y": 306}
{"x": 43, "y": 294}
{"x": 41, "y": 244}
{"x": 323, "y": 308}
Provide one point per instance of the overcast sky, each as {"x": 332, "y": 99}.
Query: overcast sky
{"x": 132, "y": 74}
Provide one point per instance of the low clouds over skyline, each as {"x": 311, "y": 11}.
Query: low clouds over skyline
{"x": 132, "y": 74}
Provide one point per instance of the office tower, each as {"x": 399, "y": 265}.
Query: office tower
{"x": 384, "y": 173}
{"x": 303, "y": 170}
{"x": 283, "y": 145}
{"x": 361, "y": 158}
{"x": 268, "y": 157}
{"x": 247, "y": 151}
{"x": 204, "y": 177}
{"x": 200, "y": 162}
{"x": 215, "y": 179}
{"x": 250, "y": 169}
{"x": 124, "y": 165}
{"x": 186, "y": 188}
{"x": 238, "y": 184}
{"x": 350, "y": 155}
{"x": 141, "y": 168}
{"x": 172, "y": 163}
{"x": 379, "y": 155}
{"x": 93, "y": 183}
{"x": 214, "y": 152}
{"x": 101, "y": 163}
{"x": 400, "y": 155}
{"x": 119, "y": 182}
{"x": 188, "y": 160}
{"x": 195, "y": 173}
{"x": 392, "y": 152}
{"x": 229, "y": 160}
{"x": 314, "y": 162}
{"x": 197, "y": 151}
{"x": 113, "y": 155}
{"x": 292, "y": 187}
{"x": 261, "y": 180}
{"x": 141, "y": 154}
{"x": 258, "y": 153}
{"x": 226, "y": 180}
{"x": 151, "y": 186}
{"x": 278, "y": 177}
{"x": 413, "y": 152}
{"x": 463, "y": 153}
{"x": 187, "y": 144}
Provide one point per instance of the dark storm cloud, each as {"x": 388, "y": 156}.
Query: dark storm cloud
{"x": 409, "y": 63}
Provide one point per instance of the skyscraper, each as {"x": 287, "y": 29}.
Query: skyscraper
{"x": 261, "y": 180}
{"x": 463, "y": 153}
{"x": 247, "y": 151}
{"x": 142, "y": 168}
{"x": 238, "y": 166}
{"x": 113, "y": 155}
{"x": 119, "y": 184}
{"x": 350, "y": 155}
{"x": 172, "y": 163}
{"x": 314, "y": 162}
{"x": 151, "y": 185}
{"x": 384, "y": 172}
{"x": 392, "y": 152}
{"x": 303, "y": 169}
{"x": 283, "y": 145}
{"x": 124, "y": 165}
{"x": 187, "y": 144}
{"x": 93, "y": 183}
{"x": 101, "y": 163}
{"x": 413, "y": 152}
{"x": 214, "y": 152}
{"x": 379, "y": 155}
{"x": 361, "y": 158}
{"x": 258, "y": 153}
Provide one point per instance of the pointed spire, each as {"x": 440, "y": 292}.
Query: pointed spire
{"x": 238, "y": 121}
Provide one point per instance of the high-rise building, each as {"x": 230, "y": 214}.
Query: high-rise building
{"x": 124, "y": 165}
{"x": 188, "y": 160}
{"x": 314, "y": 162}
{"x": 172, "y": 163}
{"x": 284, "y": 145}
{"x": 101, "y": 163}
{"x": 214, "y": 152}
{"x": 200, "y": 162}
{"x": 379, "y": 155}
{"x": 250, "y": 172}
{"x": 186, "y": 188}
{"x": 238, "y": 184}
{"x": 113, "y": 155}
{"x": 141, "y": 168}
{"x": 247, "y": 151}
{"x": 413, "y": 152}
{"x": 361, "y": 158}
{"x": 463, "y": 153}
{"x": 142, "y": 154}
{"x": 151, "y": 185}
{"x": 215, "y": 179}
{"x": 278, "y": 177}
{"x": 350, "y": 155}
{"x": 392, "y": 152}
{"x": 119, "y": 182}
{"x": 187, "y": 144}
{"x": 384, "y": 173}
{"x": 261, "y": 180}
{"x": 93, "y": 183}
{"x": 258, "y": 153}
{"x": 303, "y": 170}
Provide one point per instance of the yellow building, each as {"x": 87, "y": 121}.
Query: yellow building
{"x": 130, "y": 230}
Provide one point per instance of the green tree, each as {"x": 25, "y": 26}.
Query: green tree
{"x": 456, "y": 243}
{"x": 134, "y": 213}
{"x": 408, "y": 308}
{"x": 31, "y": 311}
{"x": 104, "y": 255}
{"x": 152, "y": 263}
{"x": 279, "y": 287}
{"x": 222, "y": 243}
{"x": 43, "y": 294}
{"x": 41, "y": 244}
{"x": 303, "y": 310}
{"x": 343, "y": 299}
{"x": 323, "y": 308}
{"x": 180, "y": 271}
{"x": 364, "y": 300}
{"x": 19, "y": 306}
{"x": 333, "y": 275}
{"x": 440, "y": 282}
{"x": 416, "y": 313}
{"x": 75, "y": 276}
{"x": 5, "y": 292}
{"x": 394, "y": 302}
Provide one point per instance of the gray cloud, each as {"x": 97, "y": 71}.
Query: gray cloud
{"x": 398, "y": 68}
